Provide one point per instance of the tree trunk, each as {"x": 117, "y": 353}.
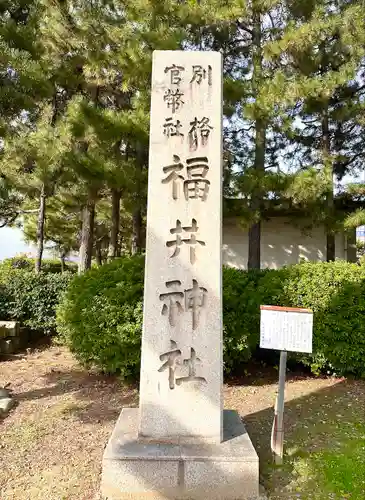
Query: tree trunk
{"x": 254, "y": 246}
{"x": 351, "y": 250}
{"x": 331, "y": 246}
{"x": 326, "y": 151}
{"x": 119, "y": 251}
{"x": 137, "y": 232}
{"x": 63, "y": 263}
{"x": 137, "y": 214}
{"x": 254, "y": 233}
{"x": 40, "y": 230}
{"x": 87, "y": 232}
{"x": 113, "y": 250}
{"x": 98, "y": 253}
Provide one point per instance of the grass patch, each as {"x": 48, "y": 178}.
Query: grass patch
{"x": 325, "y": 450}
{"x": 343, "y": 470}
{"x": 330, "y": 473}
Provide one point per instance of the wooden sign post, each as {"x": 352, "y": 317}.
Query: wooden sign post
{"x": 284, "y": 329}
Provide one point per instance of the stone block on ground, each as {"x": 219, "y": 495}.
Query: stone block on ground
{"x": 10, "y": 345}
{"x": 9, "y": 329}
{"x": 6, "y": 404}
{"x": 134, "y": 469}
{"x": 7, "y": 346}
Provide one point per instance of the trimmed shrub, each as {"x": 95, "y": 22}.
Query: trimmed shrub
{"x": 32, "y": 298}
{"x": 335, "y": 292}
{"x": 241, "y": 317}
{"x": 100, "y": 316}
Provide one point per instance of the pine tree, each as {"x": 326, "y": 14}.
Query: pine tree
{"x": 110, "y": 120}
{"x": 75, "y": 112}
{"x": 241, "y": 34}
{"x": 33, "y": 163}
{"x": 62, "y": 225}
{"x": 323, "y": 48}
{"x": 22, "y": 76}
{"x": 33, "y": 138}
{"x": 277, "y": 56}
{"x": 10, "y": 202}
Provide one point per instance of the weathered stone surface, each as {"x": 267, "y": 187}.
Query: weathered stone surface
{"x": 135, "y": 470}
{"x": 4, "y": 392}
{"x": 7, "y": 346}
{"x": 10, "y": 345}
{"x": 182, "y": 332}
{"x": 9, "y": 329}
{"x": 6, "y": 404}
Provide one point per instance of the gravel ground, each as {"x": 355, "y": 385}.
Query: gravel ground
{"x": 52, "y": 442}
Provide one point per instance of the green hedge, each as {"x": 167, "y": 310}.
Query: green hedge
{"x": 336, "y": 293}
{"x": 100, "y": 316}
{"x": 32, "y": 298}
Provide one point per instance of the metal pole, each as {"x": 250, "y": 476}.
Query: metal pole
{"x": 277, "y": 443}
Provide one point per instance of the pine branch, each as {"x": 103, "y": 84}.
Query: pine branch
{"x": 355, "y": 219}
{"x": 243, "y": 26}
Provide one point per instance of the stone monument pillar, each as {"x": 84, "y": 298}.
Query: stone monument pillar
{"x": 181, "y": 370}
{"x": 180, "y": 443}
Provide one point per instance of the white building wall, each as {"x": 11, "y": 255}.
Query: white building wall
{"x": 282, "y": 244}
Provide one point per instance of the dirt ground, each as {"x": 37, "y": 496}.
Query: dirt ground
{"x": 51, "y": 444}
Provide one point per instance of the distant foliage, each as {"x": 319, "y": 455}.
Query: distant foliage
{"x": 100, "y": 316}
{"x": 48, "y": 265}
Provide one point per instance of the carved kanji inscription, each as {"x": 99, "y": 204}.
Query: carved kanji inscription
{"x": 192, "y": 241}
{"x": 194, "y": 183}
{"x": 194, "y": 300}
{"x": 172, "y": 359}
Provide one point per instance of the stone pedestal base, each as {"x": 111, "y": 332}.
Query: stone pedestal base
{"x": 138, "y": 470}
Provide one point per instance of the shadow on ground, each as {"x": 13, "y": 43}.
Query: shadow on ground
{"x": 258, "y": 374}
{"x": 67, "y": 414}
{"x": 322, "y": 424}
{"x": 96, "y": 398}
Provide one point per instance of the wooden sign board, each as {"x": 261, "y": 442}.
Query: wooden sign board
{"x": 286, "y": 329}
